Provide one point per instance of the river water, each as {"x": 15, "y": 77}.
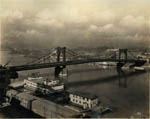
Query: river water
{"x": 126, "y": 98}
{"x": 126, "y": 95}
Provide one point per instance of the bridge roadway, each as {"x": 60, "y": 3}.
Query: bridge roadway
{"x": 74, "y": 62}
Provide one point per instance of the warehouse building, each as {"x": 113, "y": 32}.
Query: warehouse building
{"x": 84, "y": 100}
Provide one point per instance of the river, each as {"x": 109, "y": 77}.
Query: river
{"x": 126, "y": 98}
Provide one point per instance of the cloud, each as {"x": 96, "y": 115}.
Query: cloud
{"x": 47, "y": 18}
{"x": 32, "y": 34}
{"x": 72, "y": 26}
{"x": 133, "y": 22}
{"x": 49, "y": 22}
{"x": 107, "y": 28}
{"x": 105, "y": 17}
{"x": 13, "y": 14}
{"x": 92, "y": 28}
{"x": 45, "y": 14}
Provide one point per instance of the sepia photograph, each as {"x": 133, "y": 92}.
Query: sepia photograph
{"x": 74, "y": 58}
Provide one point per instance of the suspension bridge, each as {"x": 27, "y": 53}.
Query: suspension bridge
{"x": 61, "y": 57}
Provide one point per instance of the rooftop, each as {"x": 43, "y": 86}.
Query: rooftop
{"x": 84, "y": 94}
{"x": 36, "y": 80}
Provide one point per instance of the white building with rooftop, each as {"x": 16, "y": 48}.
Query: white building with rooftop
{"x": 85, "y": 100}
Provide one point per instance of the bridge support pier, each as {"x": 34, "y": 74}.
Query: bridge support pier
{"x": 60, "y": 71}
{"x": 119, "y": 65}
{"x": 64, "y": 72}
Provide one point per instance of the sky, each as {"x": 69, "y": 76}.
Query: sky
{"x": 75, "y": 23}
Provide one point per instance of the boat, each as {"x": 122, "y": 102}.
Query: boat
{"x": 43, "y": 86}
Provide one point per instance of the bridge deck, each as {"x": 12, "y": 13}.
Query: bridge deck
{"x": 74, "y": 62}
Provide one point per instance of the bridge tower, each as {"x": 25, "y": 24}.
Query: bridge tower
{"x": 61, "y": 57}
{"x": 123, "y": 54}
{"x": 61, "y": 54}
